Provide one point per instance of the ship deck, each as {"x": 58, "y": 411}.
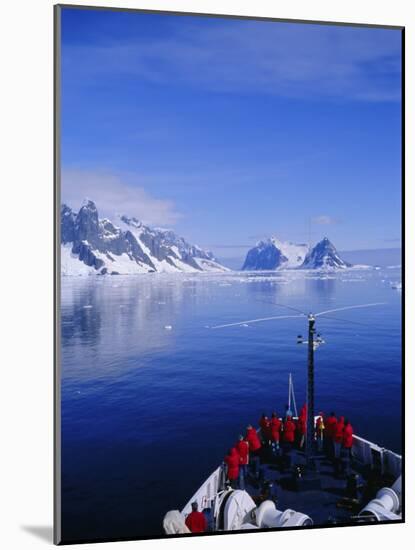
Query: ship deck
{"x": 322, "y": 494}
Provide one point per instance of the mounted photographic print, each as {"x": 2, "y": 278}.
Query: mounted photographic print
{"x": 229, "y": 336}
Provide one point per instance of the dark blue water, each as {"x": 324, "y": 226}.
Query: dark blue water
{"x": 148, "y": 413}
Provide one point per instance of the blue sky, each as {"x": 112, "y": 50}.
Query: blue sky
{"x": 232, "y": 130}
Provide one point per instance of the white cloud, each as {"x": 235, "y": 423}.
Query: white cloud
{"x": 282, "y": 59}
{"x": 112, "y": 195}
{"x": 324, "y": 220}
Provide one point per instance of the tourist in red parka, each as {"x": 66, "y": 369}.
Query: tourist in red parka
{"x": 303, "y": 412}
{"x": 348, "y": 437}
{"x": 254, "y": 449}
{"x": 301, "y": 429}
{"x": 288, "y": 434}
{"x": 265, "y": 425}
{"x": 243, "y": 450}
{"x": 330, "y": 424}
{"x": 276, "y": 425}
{"x": 232, "y": 461}
{"x": 263, "y": 421}
{"x": 196, "y": 521}
{"x": 253, "y": 439}
{"x": 338, "y": 437}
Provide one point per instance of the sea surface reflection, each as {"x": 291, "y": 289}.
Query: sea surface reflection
{"x": 152, "y": 397}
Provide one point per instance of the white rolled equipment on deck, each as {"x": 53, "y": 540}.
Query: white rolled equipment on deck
{"x": 386, "y": 505}
{"x": 267, "y": 516}
{"x": 240, "y": 512}
{"x": 237, "y": 511}
{"x": 174, "y": 523}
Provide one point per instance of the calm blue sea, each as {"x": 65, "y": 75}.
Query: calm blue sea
{"x": 148, "y": 412}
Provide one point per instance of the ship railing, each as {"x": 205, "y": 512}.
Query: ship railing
{"x": 371, "y": 454}
{"x": 207, "y": 492}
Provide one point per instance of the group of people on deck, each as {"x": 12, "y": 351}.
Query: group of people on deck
{"x": 331, "y": 434}
{"x": 338, "y": 435}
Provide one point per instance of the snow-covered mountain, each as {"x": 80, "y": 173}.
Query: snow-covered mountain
{"x": 273, "y": 254}
{"x": 324, "y": 256}
{"x": 97, "y": 246}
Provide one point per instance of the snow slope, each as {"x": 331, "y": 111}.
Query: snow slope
{"x": 97, "y": 246}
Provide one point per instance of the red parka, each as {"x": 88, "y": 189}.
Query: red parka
{"x": 338, "y": 431}
{"x": 267, "y": 431}
{"x": 243, "y": 450}
{"x": 348, "y": 436}
{"x": 263, "y": 422}
{"x": 232, "y": 460}
{"x": 331, "y": 423}
{"x": 196, "y": 522}
{"x": 302, "y": 425}
{"x": 253, "y": 440}
{"x": 275, "y": 429}
{"x": 289, "y": 431}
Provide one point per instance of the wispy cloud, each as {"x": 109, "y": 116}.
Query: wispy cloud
{"x": 393, "y": 240}
{"x": 113, "y": 195}
{"x": 283, "y": 59}
{"x": 324, "y": 220}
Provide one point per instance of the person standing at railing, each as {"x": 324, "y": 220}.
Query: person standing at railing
{"x": 320, "y": 432}
{"x": 288, "y": 438}
{"x": 254, "y": 448}
{"x": 331, "y": 423}
{"x": 243, "y": 450}
{"x": 232, "y": 462}
{"x": 288, "y": 435}
{"x": 348, "y": 442}
{"x": 276, "y": 426}
{"x": 265, "y": 426}
{"x": 253, "y": 439}
{"x": 301, "y": 430}
{"x": 303, "y": 412}
{"x": 338, "y": 437}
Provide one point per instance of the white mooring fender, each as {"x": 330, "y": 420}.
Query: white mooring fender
{"x": 238, "y": 508}
{"x": 174, "y": 523}
{"x": 268, "y": 516}
{"x": 386, "y": 505}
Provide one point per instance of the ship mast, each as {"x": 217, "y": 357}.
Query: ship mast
{"x": 313, "y": 344}
{"x": 309, "y": 451}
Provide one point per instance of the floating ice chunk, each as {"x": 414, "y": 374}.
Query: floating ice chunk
{"x": 88, "y": 307}
{"x": 396, "y": 286}
{"x": 168, "y": 327}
